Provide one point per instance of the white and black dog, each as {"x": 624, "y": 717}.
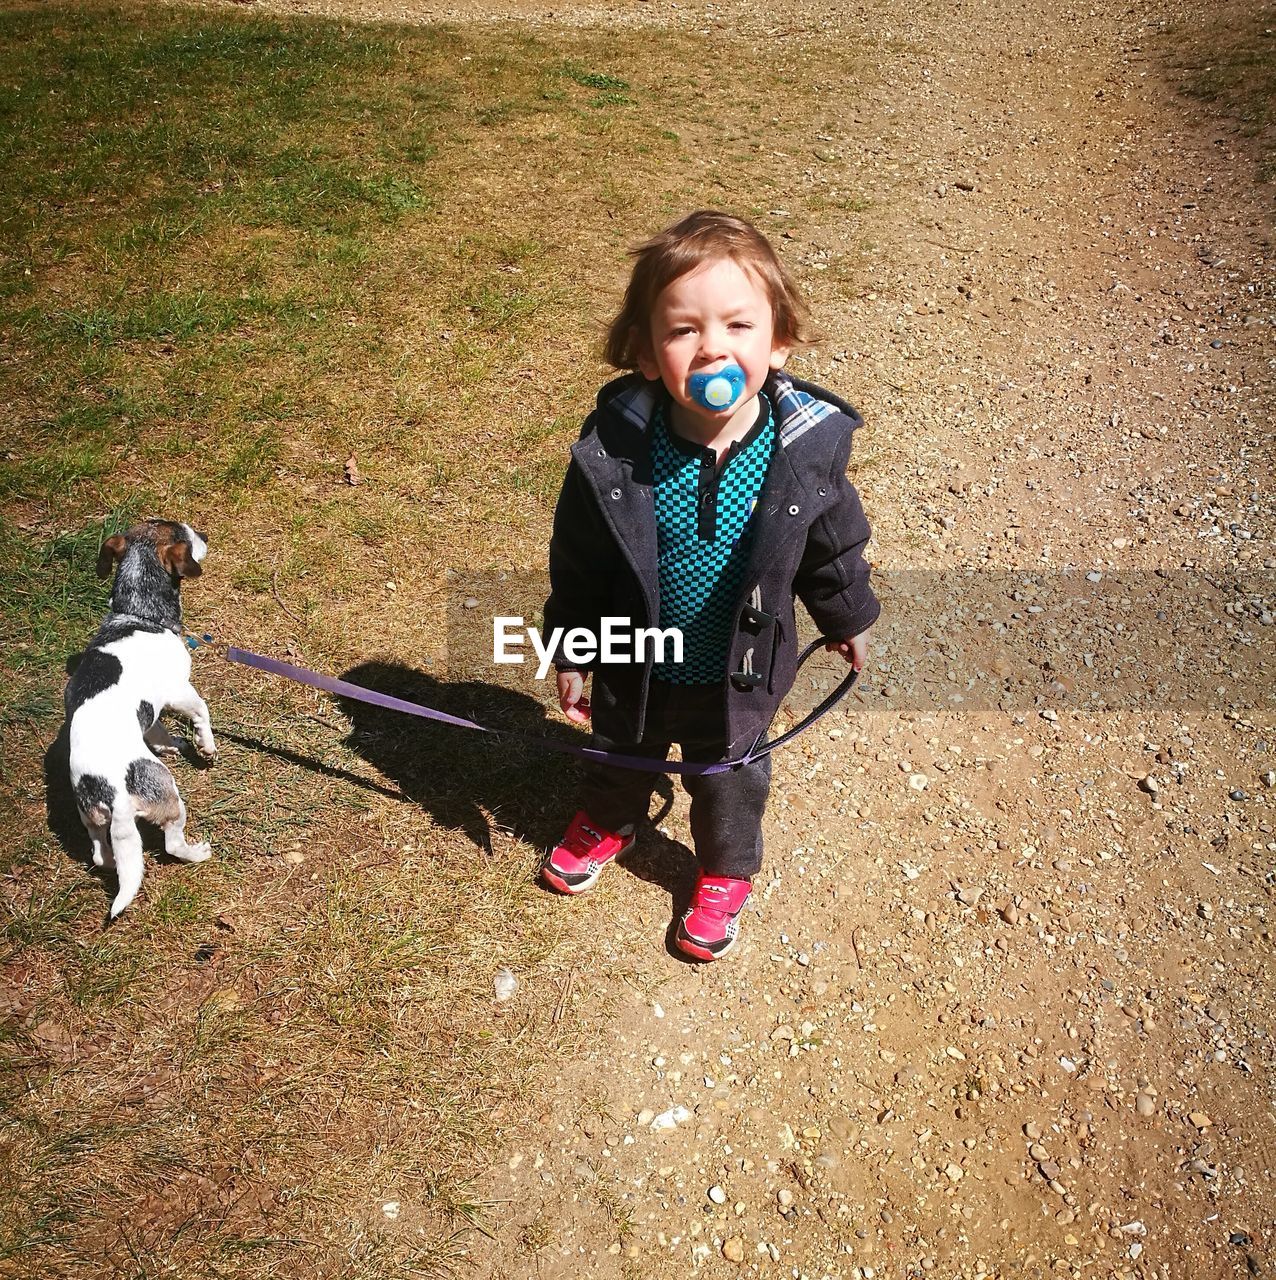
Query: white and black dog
{"x": 134, "y": 668}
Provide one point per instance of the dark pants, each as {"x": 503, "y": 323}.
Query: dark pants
{"x": 726, "y": 808}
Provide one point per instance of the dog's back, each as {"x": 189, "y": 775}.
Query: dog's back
{"x": 127, "y": 676}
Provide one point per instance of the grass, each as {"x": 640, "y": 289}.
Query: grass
{"x": 1229, "y": 62}
{"x": 235, "y": 251}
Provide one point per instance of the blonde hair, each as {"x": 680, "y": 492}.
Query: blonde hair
{"x": 700, "y": 238}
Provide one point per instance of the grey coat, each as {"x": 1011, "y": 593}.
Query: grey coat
{"x": 808, "y": 537}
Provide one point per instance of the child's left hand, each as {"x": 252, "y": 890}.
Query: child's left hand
{"x": 854, "y": 649}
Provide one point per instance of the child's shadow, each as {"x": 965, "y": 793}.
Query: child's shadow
{"x": 460, "y": 776}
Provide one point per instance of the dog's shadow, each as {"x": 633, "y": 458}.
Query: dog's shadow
{"x": 460, "y": 777}
{"x": 59, "y": 801}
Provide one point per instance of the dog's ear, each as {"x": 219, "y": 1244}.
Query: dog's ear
{"x": 176, "y": 557}
{"x": 112, "y": 550}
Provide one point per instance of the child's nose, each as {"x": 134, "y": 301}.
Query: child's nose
{"x": 713, "y": 343}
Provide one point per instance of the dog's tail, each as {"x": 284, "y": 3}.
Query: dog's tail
{"x": 126, "y": 844}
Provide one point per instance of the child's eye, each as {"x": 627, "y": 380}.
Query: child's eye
{"x": 681, "y": 332}
{"x": 741, "y": 324}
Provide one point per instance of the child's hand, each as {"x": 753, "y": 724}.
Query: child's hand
{"x": 571, "y": 696}
{"x": 854, "y": 649}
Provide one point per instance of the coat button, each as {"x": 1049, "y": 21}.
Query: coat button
{"x": 615, "y": 494}
{"x": 602, "y": 453}
{"x": 793, "y": 511}
{"x": 822, "y": 492}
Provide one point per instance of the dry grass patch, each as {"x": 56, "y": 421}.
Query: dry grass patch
{"x": 235, "y": 252}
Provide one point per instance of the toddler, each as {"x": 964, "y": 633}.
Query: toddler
{"x": 707, "y": 490}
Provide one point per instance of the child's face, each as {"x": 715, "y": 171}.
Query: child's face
{"x": 704, "y": 320}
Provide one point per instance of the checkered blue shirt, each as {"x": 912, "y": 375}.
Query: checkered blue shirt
{"x": 702, "y": 528}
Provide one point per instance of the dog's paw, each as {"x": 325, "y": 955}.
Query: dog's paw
{"x": 165, "y": 749}
{"x": 207, "y": 751}
{"x": 200, "y": 852}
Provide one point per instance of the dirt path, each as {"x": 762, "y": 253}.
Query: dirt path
{"x": 1004, "y": 1005}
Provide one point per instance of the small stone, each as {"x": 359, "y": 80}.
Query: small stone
{"x": 954, "y": 1172}
{"x": 733, "y": 1249}
{"x": 1149, "y": 784}
{"x": 918, "y": 781}
{"x": 1010, "y": 913}
{"x": 1032, "y": 1130}
{"x": 1200, "y": 1120}
{"x": 671, "y": 1119}
{"x": 784, "y": 1197}
{"x": 717, "y": 1195}
{"x": 645, "y": 1117}
{"x": 1145, "y": 1104}
{"x": 1038, "y": 1152}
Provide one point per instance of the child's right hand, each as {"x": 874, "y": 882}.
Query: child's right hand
{"x": 571, "y": 696}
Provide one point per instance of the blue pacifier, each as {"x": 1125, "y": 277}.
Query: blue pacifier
{"x": 717, "y": 390}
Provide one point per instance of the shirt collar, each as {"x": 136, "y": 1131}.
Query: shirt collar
{"x": 693, "y": 450}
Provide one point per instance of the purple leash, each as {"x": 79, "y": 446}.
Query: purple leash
{"x": 343, "y": 689}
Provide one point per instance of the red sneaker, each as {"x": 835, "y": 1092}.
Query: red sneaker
{"x": 584, "y": 851}
{"x": 711, "y": 924}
